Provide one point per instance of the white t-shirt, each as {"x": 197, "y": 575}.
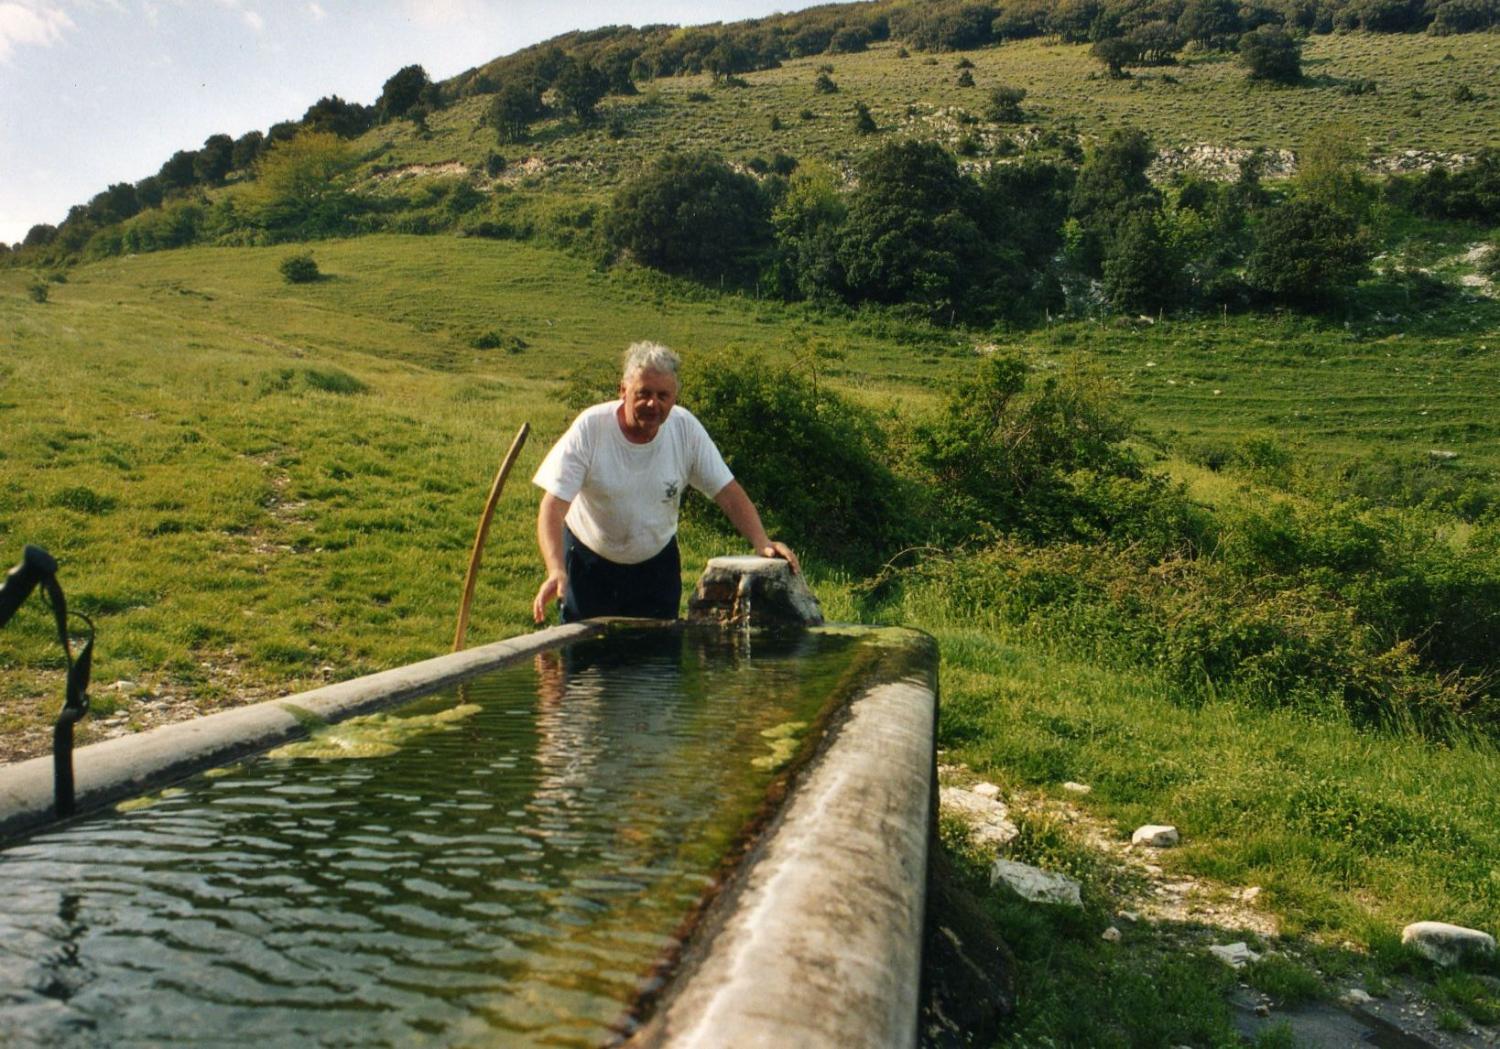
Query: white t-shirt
{"x": 625, "y": 496}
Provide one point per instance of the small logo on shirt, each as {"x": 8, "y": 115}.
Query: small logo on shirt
{"x": 671, "y": 496}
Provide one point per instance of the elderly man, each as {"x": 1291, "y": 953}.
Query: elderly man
{"x": 607, "y": 526}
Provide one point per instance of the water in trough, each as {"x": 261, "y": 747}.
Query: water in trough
{"x": 502, "y": 863}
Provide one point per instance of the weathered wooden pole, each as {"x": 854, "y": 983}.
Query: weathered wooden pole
{"x": 484, "y": 530}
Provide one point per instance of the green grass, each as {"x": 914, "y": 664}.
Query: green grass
{"x": 247, "y": 481}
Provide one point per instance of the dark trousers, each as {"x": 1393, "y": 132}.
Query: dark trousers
{"x": 598, "y": 586}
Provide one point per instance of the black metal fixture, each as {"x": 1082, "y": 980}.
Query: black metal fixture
{"x": 39, "y": 568}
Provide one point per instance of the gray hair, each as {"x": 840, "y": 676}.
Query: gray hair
{"x": 650, "y": 357}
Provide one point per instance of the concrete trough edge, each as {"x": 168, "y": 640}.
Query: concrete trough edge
{"x": 818, "y": 943}
{"x": 127, "y": 766}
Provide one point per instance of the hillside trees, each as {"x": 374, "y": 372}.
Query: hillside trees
{"x": 515, "y": 106}
{"x": 402, "y": 92}
{"x": 808, "y": 221}
{"x": 116, "y": 204}
{"x": 944, "y": 26}
{"x": 1111, "y": 185}
{"x": 212, "y": 163}
{"x": 301, "y": 184}
{"x": 1306, "y": 253}
{"x": 1211, "y": 24}
{"x": 691, "y": 213}
{"x": 1271, "y": 54}
{"x": 246, "y": 149}
{"x": 177, "y": 172}
{"x": 910, "y": 234}
{"x": 580, "y": 87}
{"x": 333, "y": 114}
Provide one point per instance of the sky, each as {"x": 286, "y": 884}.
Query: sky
{"x": 94, "y": 92}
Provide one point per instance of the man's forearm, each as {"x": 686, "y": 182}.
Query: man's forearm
{"x": 549, "y": 531}
{"x": 743, "y": 515}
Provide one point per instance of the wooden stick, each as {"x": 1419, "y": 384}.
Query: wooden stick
{"x": 484, "y": 530}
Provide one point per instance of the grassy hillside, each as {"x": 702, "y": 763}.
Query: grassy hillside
{"x": 1204, "y": 100}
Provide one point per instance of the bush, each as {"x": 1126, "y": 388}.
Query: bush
{"x": 37, "y": 290}
{"x": 815, "y": 464}
{"x": 1269, "y": 53}
{"x": 661, "y": 217}
{"x": 333, "y": 380}
{"x": 1005, "y": 104}
{"x": 864, "y": 123}
{"x": 1000, "y": 456}
{"x": 1139, "y": 271}
{"x": 299, "y": 269}
{"x": 1307, "y": 254}
{"x": 824, "y": 85}
{"x": 1327, "y": 607}
{"x": 911, "y": 234}
{"x": 965, "y": 79}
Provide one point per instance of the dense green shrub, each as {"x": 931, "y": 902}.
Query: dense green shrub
{"x": 1271, "y": 54}
{"x": 1111, "y": 185}
{"x": 301, "y": 268}
{"x": 1306, "y": 254}
{"x": 816, "y": 465}
{"x": 1005, "y": 104}
{"x": 1307, "y": 608}
{"x": 1471, "y": 193}
{"x": 911, "y": 234}
{"x": 1002, "y": 457}
{"x": 1140, "y": 271}
{"x": 173, "y": 226}
{"x": 663, "y": 217}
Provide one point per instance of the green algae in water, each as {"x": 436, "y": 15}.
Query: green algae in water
{"x": 371, "y": 736}
{"x": 785, "y": 730}
{"x": 145, "y": 801}
{"x": 784, "y": 741}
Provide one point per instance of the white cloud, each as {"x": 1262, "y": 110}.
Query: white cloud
{"x": 254, "y": 20}
{"x": 317, "y": 12}
{"x": 31, "y": 23}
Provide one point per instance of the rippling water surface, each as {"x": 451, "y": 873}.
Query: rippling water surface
{"x": 506, "y": 876}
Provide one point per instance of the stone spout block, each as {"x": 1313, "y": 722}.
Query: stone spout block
{"x": 753, "y": 591}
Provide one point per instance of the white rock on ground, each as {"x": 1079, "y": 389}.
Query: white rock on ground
{"x": 1035, "y": 884}
{"x": 1110, "y": 935}
{"x": 1356, "y": 996}
{"x": 988, "y": 818}
{"x": 1447, "y": 944}
{"x": 1077, "y": 788}
{"x": 986, "y": 790}
{"x": 1234, "y": 955}
{"x": 1155, "y": 836}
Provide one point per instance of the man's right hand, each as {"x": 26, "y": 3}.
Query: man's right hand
{"x": 552, "y": 590}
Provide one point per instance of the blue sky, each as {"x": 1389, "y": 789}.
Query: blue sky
{"x": 100, "y": 91}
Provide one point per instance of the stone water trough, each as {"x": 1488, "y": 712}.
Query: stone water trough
{"x": 812, "y": 937}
